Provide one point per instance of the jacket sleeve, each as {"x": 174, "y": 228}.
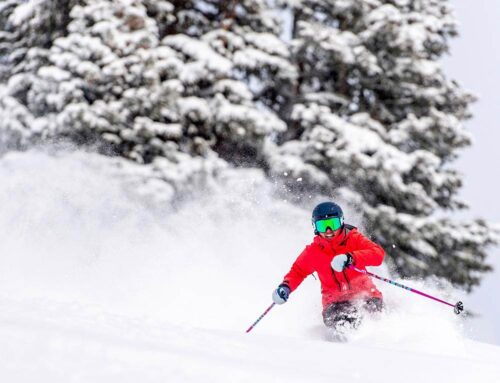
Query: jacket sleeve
{"x": 299, "y": 271}
{"x": 366, "y": 252}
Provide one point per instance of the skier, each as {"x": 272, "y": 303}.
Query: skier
{"x": 335, "y": 247}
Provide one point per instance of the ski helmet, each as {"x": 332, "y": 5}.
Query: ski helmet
{"x": 326, "y": 210}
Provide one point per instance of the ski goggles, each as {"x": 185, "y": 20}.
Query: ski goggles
{"x": 334, "y": 223}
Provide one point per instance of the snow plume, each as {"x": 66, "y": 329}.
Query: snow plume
{"x": 72, "y": 232}
{"x": 415, "y": 323}
{"x": 73, "y": 235}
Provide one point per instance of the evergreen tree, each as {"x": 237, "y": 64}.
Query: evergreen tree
{"x": 377, "y": 122}
{"x": 143, "y": 80}
{"x": 29, "y": 25}
{"x": 355, "y": 105}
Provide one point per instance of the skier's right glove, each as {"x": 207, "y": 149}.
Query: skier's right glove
{"x": 341, "y": 261}
{"x": 281, "y": 294}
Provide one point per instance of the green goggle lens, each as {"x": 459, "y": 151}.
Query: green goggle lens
{"x": 333, "y": 223}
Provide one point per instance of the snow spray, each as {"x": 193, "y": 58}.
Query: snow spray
{"x": 74, "y": 236}
{"x": 457, "y": 308}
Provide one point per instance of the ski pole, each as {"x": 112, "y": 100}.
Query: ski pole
{"x": 259, "y": 318}
{"x": 457, "y": 308}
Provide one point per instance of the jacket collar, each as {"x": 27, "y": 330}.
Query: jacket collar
{"x": 334, "y": 242}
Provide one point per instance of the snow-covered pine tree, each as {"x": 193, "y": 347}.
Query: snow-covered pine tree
{"x": 378, "y": 123}
{"x": 247, "y": 34}
{"x": 26, "y": 25}
{"x": 144, "y": 80}
{"x": 27, "y": 29}
{"x": 185, "y": 87}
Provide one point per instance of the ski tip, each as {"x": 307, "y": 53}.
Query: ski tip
{"x": 458, "y": 308}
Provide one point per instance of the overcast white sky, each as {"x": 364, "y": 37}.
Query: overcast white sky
{"x": 475, "y": 64}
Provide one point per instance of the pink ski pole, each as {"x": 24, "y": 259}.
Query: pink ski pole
{"x": 259, "y": 318}
{"x": 457, "y": 307}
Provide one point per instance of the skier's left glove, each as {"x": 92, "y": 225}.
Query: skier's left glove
{"x": 341, "y": 261}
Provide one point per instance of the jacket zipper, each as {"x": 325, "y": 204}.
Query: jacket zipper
{"x": 338, "y": 283}
{"x": 336, "y": 280}
{"x": 347, "y": 280}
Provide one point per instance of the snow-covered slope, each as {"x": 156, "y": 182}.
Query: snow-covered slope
{"x": 47, "y": 342}
{"x": 94, "y": 287}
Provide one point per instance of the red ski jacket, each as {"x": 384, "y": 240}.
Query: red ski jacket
{"x": 348, "y": 284}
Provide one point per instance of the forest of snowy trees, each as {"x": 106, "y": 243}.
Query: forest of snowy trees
{"x": 346, "y": 96}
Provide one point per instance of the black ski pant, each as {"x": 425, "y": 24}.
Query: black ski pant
{"x": 348, "y": 313}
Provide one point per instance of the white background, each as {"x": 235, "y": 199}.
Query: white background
{"x": 475, "y": 63}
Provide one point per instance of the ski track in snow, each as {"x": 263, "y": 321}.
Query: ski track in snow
{"x": 95, "y": 288}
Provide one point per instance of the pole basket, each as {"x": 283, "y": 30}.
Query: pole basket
{"x": 458, "y": 308}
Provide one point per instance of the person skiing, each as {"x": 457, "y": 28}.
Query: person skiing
{"x": 336, "y": 246}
